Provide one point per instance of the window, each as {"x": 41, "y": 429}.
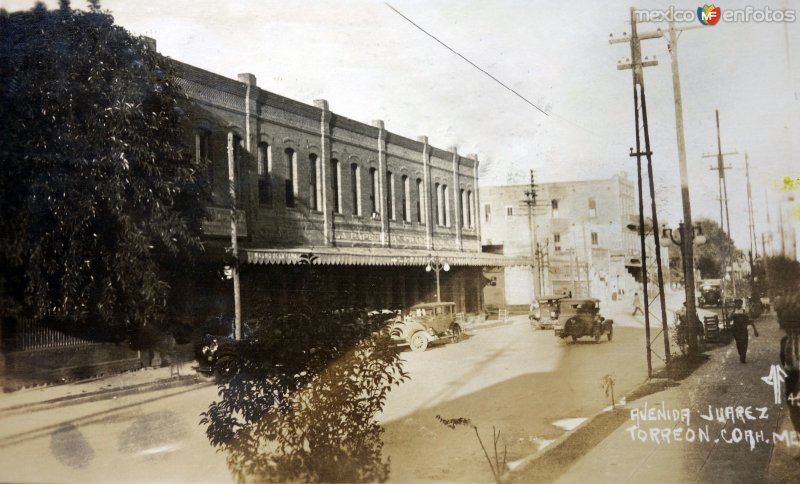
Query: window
{"x": 557, "y": 242}
{"x": 406, "y": 199}
{"x": 487, "y": 213}
{"x": 592, "y": 208}
{"x": 594, "y": 238}
{"x": 264, "y": 174}
{"x": 291, "y": 176}
{"x": 240, "y": 166}
{"x": 373, "y": 190}
{"x": 420, "y": 201}
{"x": 313, "y": 182}
{"x": 509, "y": 211}
{"x": 446, "y": 193}
{"x": 438, "y": 191}
{"x": 463, "y": 211}
{"x": 390, "y": 195}
{"x": 355, "y": 188}
{"x": 554, "y": 207}
{"x": 336, "y": 183}
{"x": 202, "y": 144}
{"x": 470, "y": 210}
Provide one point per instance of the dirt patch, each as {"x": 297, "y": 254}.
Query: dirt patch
{"x": 681, "y": 366}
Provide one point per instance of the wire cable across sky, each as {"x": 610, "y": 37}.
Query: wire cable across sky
{"x": 467, "y": 60}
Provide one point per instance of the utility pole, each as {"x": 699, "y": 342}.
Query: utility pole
{"x": 530, "y": 200}
{"x": 750, "y": 215}
{"x": 688, "y": 239}
{"x": 234, "y": 247}
{"x": 636, "y": 67}
{"x": 723, "y": 198}
{"x": 723, "y": 186}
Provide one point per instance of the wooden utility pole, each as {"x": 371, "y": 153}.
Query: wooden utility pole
{"x": 636, "y": 67}
{"x": 234, "y": 247}
{"x": 724, "y": 222}
{"x": 750, "y": 215}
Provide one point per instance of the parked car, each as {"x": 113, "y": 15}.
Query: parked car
{"x": 710, "y": 293}
{"x": 581, "y": 317}
{"x": 218, "y": 343}
{"x": 426, "y": 323}
{"x": 544, "y": 312}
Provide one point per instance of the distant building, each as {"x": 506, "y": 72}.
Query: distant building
{"x": 585, "y": 244}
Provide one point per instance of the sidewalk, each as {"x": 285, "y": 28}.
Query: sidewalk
{"x": 92, "y": 389}
{"x": 678, "y": 445}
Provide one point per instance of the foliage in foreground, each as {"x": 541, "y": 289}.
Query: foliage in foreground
{"x": 99, "y": 198}
{"x": 299, "y": 400}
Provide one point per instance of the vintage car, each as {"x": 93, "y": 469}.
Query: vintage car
{"x": 581, "y": 317}
{"x": 426, "y": 323}
{"x": 710, "y": 293}
{"x": 544, "y": 312}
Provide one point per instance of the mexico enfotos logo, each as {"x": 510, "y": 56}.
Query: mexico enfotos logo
{"x": 712, "y": 14}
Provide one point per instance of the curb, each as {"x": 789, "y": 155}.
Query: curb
{"x": 162, "y": 384}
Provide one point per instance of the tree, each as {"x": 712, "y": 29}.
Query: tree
{"x": 716, "y": 253}
{"x": 299, "y": 398}
{"x": 99, "y": 195}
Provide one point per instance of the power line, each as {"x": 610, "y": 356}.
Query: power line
{"x": 467, "y": 60}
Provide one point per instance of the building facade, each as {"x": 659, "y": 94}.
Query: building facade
{"x": 369, "y": 208}
{"x": 581, "y": 228}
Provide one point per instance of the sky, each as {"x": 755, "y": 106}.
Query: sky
{"x": 370, "y": 63}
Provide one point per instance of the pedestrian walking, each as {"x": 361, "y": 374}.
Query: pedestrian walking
{"x": 741, "y": 321}
{"x": 637, "y": 304}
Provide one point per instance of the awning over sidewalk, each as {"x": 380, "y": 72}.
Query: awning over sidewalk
{"x": 368, "y": 256}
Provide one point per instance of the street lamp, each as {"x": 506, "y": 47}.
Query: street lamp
{"x": 696, "y": 238}
{"x": 436, "y": 264}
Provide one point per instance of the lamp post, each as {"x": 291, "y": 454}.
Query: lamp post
{"x": 696, "y": 238}
{"x": 436, "y": 264}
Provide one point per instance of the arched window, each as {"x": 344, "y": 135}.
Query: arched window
{"x": 355, "y": 188}
{"x": 463, "y": 208}
{"x": 240, "y": 167}
{"x": 336, "y": 184}
{"x": 446, "y": 193}
{"x": 437, "y": 190}
{"x": 264, "y": 174}
{"x": 373, "y": 190}
{"x": 592, "y": 208}
{"x": 313, "y": 182}
{"x": 420, "y": 202}
{"x": 470, "y": 210}
{"x": 390, "y": 195}
{"x": 291, "y": 176}
{"x": 406, "y": 199}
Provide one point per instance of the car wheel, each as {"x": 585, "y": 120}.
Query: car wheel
{"x": 418, "y": 342}
{"x": 574, "y": 338}
{"x": 610, "y": 334}
{"x": 597, "y": 336}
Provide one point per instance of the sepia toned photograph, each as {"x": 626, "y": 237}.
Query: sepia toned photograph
{"x": 399, "y": 241}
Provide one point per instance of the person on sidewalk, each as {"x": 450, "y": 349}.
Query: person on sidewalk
{"x": 637, "y": 304}
{"x": 741, "y": 321}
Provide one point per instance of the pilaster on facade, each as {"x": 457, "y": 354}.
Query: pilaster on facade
{"x": 325, "y": 170}
{"x": 476, "y": 203}
{"x": 382, "y": 188}
{"x": 458, "y": 203}
{"x": 426, "y": 170}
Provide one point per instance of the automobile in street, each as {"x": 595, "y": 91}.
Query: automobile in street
{"x": 578, "y": 318}
{"x": 710, "y": 293}
{"x": 544, "y": 312}
{"x": 427, "y": 323}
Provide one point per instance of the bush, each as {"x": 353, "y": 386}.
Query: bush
{"x": 788, "y": 310}
{"x": 299, "y": 399}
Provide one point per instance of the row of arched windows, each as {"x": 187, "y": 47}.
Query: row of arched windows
{"x": 411, "y": 207}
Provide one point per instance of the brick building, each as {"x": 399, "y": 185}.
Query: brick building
{"x": 582, "y": 231}
{"x": 368, "y": 207}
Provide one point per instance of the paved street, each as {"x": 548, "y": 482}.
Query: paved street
{"x": 526, "y": 383}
